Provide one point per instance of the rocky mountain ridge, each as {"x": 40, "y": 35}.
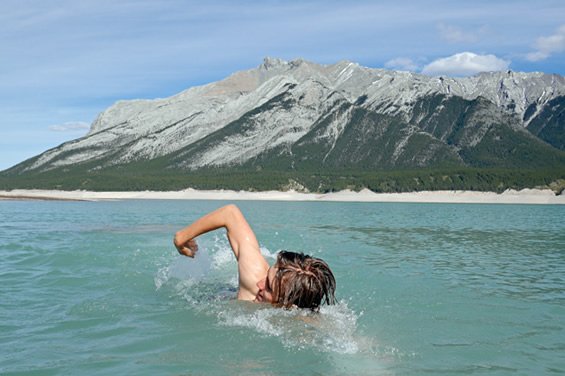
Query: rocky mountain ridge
{"x": 298, "y": 113}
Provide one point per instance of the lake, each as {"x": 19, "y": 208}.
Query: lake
{"x": 424, "y": 289}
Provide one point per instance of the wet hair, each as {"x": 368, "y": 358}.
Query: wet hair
{"x": 302, "y": 281}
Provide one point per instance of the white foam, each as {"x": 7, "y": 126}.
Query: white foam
{"x": 208, "y": 284}
{"x": 221, "y": 253}
{"x": 270, "y": 256}
{"x": 183, "y": 268}
{"x": 331, "y": 330}
{"x": 161, "y": 277}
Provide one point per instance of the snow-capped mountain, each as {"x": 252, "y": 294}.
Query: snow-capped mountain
{"x": 302, "y": 114}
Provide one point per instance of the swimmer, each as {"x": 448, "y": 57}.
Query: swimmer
{"x": 294, "y": 280}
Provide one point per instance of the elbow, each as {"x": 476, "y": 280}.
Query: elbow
{"x": 232, "y": 216}
{"x": 231, "y": 213}
{"x": 232, "y": 208}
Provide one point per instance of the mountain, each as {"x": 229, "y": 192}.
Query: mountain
{"x": 302, "y": 116}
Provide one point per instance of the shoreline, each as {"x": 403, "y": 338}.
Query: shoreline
{"x": 525, "y": 196}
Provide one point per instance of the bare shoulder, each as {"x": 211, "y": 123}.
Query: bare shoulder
{"x": 252, "y": 266}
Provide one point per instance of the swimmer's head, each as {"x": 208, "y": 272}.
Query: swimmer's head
{"x": 302, "y": 281}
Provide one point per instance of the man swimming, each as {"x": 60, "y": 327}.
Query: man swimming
{"x": 294, "y": 279}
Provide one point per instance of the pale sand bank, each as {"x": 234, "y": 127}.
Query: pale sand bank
{"x": 526, "y": 196}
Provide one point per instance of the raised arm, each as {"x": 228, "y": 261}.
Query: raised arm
{"x": 252, "y": 266}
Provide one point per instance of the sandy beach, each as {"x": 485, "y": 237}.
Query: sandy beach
{"x": 526, "y": 196}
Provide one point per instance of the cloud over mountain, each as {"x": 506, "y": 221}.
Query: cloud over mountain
{"x": 465, "y": 64}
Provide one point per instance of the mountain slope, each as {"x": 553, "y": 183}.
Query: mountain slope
{"x": 301, "y": 116}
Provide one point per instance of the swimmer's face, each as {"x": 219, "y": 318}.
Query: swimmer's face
{"x": 266, "y": 287}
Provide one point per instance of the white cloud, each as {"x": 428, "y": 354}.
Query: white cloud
{"x": 402, "y": 63}
{"x": 546, "y": 46}
{"x": 465, "y": 64}
{"x": 71, "y": 126}
{"x": 454, "y": 34}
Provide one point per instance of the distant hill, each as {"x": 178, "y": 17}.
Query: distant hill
{"x": 303, "y": 125}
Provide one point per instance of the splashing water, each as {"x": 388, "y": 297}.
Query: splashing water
{"x": 330, "y": 330}
{"x": 208, "y": 283}
{"x": 183, "y": 268}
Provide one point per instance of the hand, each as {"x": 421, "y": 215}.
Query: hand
{"x": 188, "y": 249}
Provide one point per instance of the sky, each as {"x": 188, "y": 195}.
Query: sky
{"x": 62, "y": 62}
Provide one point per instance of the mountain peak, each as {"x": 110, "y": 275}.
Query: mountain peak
{"x": 274, "y": 106}
{"x": 272, "y": 62}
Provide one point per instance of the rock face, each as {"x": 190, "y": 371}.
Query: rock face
{"x": 300, "y": 114}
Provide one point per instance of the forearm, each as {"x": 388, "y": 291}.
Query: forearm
{"x": 252, "y": 266}
{"x": 212, "y": 221}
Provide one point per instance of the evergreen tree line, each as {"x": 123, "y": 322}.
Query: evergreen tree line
{"x": 475, "y": 179}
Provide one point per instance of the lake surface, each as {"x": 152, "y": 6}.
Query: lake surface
{"x": 97, "y": 288}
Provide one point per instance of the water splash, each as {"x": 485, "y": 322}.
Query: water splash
{"x": 184, "y": 268}
{"x": 208, "y": 283}
{"x": 331, "y": 330}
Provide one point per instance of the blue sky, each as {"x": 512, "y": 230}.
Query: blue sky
{"x": 64, "y": 61}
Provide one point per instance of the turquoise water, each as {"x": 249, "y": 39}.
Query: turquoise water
{"x": 98, "y": 288}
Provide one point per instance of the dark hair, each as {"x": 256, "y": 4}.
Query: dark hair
{"x": 302, "y": 281}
